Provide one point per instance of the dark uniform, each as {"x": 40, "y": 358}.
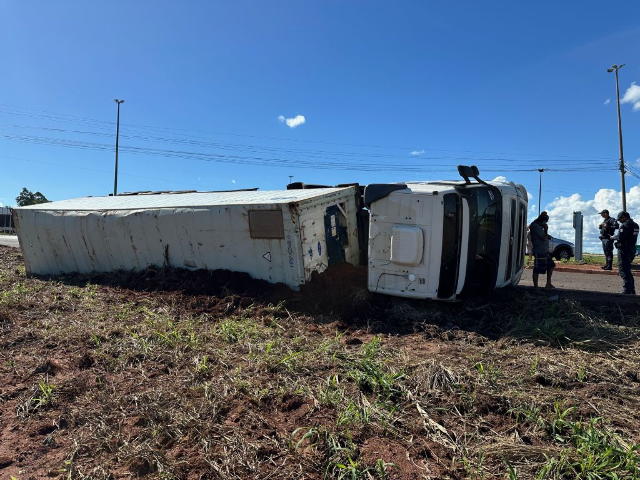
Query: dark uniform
{"x": 625, "y": 242}
{"x": 608, "y": 228}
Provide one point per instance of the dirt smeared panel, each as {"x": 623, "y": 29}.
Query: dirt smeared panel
{"x": 177, "y": 374}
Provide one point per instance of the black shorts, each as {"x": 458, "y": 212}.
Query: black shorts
{"x": 542, "y": 263}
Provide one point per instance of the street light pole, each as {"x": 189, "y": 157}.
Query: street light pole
{"x": 615, "y": 68}
{"x": 115, "y": 180}
{"x": 540, "y": 191}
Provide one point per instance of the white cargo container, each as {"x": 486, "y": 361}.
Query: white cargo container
{"x": 278, "y": 236}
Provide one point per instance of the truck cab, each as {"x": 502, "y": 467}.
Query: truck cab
{"x": 445, "y": 239}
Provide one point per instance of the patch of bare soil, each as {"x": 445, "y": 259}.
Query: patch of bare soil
{"x": 173, "y": 374}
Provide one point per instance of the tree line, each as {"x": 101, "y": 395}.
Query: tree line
{"x": 27, "y": 197}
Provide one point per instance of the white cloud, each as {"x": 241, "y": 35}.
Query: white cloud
{"x": 637, "y": 162}
{"x": 233, "y": 181}
{"x": 1, "y": 205}
{"x": 292, "y": 122}
{"x": 500, "y": 179}
{"x": 632, "y": 95}
{"x": 530, "y": 197}
{"x": 417, "y": 152}
{"x": 607, "y": 101}
{"x": 562, "y": 208}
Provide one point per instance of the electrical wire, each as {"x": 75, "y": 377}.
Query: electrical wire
{"x": 53, "y": 116}
{"x": 259, "y": 160}
{"x": 323, "y": 155}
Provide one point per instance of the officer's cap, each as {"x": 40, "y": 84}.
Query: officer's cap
{"x": 622, "y": 214}
{"x": 604, "y": 211}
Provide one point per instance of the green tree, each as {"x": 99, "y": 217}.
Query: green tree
{"x": 27, "y": 197}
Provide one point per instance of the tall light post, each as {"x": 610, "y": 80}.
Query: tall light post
{"x": 615, "y": 68}
{"x": 540, "y": 191}
{"x": 115, "y": 180}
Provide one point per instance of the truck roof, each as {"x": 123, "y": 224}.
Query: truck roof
{"x": 440, "y": 185}
{"x": 185, "y": 200}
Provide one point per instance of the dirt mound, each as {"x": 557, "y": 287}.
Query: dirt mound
{"x": 340, "y": 290}
{"x": 189, "y": 282}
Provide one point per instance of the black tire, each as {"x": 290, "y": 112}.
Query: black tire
{"x": 562, "y": 253}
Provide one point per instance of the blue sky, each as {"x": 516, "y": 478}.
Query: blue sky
{"x": 389, "y": 91}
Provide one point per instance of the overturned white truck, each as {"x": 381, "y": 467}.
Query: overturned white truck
{"x": 445, "y": 239}
{"x": 441, "y": 240}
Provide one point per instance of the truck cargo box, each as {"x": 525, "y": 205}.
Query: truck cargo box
{"x": 277, "y": 236}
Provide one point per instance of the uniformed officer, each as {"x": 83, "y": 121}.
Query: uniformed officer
{"x": 608, "y": 228}
{"x": 625, "y": 242}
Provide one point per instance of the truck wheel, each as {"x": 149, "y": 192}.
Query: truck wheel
{"x": 562, "y": 253}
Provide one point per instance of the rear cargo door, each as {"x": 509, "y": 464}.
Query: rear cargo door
{"x": 334, "y": 235}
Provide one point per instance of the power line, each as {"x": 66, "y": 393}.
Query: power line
{"x": 631, "y": 170}
{"x": 527, "y": 164}
{"x": 267, "y": 161}
{"x": 308, "y": 153}
{"x": 42, "y": 114}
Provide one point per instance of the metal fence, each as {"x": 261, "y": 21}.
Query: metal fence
{"x": 6, "y": 220}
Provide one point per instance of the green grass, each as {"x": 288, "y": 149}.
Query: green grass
{"x": 587, "y": 259}
{"x": 488, "y": 372}
{"x": 587, "y": 448}
{"x": 371, "y": 373}
{"x": 341, "y": 454}
{"x": 42, "y": 398}
{"x": 14, "y": 294}
{"x": 237, "y": 329}
{"x": 593, "y": 451}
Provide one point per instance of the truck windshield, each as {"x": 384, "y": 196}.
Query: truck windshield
{"x": 485, "y": 228}
{"x": 451, "y": 233}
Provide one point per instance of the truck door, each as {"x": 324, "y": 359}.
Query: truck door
{"x": 335, "y": 235}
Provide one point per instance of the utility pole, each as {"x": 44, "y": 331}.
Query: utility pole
{"x": 290, "y": 178}
{"x": 115, "y": 180}
{"x": 615, "y": 68}
{"x": 540, "y": 191}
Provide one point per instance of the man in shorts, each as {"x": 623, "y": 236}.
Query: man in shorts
{"x": 543, "y": 263}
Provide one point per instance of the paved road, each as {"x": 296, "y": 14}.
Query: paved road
{"x": 9, "y": 240}
{"x": 579, "y": 281}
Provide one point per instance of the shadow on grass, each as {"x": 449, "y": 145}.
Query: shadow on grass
{"x": 590, "y": 321}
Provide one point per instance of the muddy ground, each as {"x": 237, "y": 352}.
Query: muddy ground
{"x": 205, "y": 375}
